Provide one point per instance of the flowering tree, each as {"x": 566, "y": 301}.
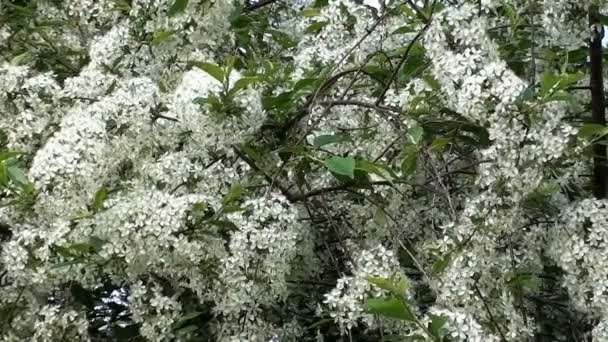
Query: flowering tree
{"x": 217, "y": 170}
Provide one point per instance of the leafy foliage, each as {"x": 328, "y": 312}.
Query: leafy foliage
{"x": 301, "y": 170}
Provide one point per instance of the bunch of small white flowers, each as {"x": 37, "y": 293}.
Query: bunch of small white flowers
{"x": 156, "y": 312}
{"x": 579, "y": 247}
{"x": 261, "y": 251}
{"x": 462, "y": 326}
{"x": 29, "y": 105}
{"x": 207, "y": 129}
{"x": 71, "y": 166}
{"x": 55, "y": 323}
{"x": 346, "y": 302}
{"x": 143, "y": 228}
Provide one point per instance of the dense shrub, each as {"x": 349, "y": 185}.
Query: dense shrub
{"x": 217, "y": 170}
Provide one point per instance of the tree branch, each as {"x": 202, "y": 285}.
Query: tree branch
{"x": 284, "y": 190}
{"x": 491, "y": 316}
{"x": 253, "y": 6}
{"x": 598, "y": 110}
{"x": 401, "y": 62}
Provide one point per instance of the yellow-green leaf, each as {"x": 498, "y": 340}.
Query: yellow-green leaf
{"x": 391, "y": 308}
{"x": 310, "y": 12}
{"x": 177, "y": 7}
{"x": 212, "y": 70}
{"x": 410, "y": 160}
{"x": 341, "y": 166}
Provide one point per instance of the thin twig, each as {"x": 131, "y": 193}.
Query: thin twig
{"x": 492, "y": 319}
{"x": 345, "y": 186}
{"x": 262, "y": 3}
{"x": 401, "y": 62}
{"x": 418, "y": 11}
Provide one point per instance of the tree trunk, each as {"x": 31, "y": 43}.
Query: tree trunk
{"x": 596, "y": 84}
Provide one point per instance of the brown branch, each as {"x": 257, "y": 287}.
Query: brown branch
{"x": 346, "y": 186}
{"x": 305, "y": 109}
{"x": 156, "y": 116}
{"x": 253, "y": 6}
{"x": 418, "y": 11}
{"x": 284, "y": 190}
{"x": 401, "y": 62}
{"x": 492, "y": 319}
{"x": 377, "y": 107}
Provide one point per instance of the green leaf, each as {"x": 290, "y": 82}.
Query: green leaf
{"x": 212, "y": 70}
{"x": 432, "y": 82}
{"x": 16, "y": 175}
{"x": 97, "y": 243}
{"x": 382, "y": 283}
{"x": 82, "y": 248}
{"x": 287, "y": 151}
{"x": 316, "y": 27}
{"x": 436, "y": 327}
{"x": 391, "y": 308}
{"x": 185, "y": 330}
{"x": 230, "y": 62}
{"x": 323, "y": 140}
{"x": 568, "y": 80}
{"x": 559, "y": 96}
{"x": 22, "y": 58}
{"x": 100, "y": 196}
{"x": 201, "y": 211}
{"x": 551, "y": 83}
{"x": 234, "y": 194}
{"x": 540, "y": 198}
{"x": 231, "y": 208}
{"x": 161, "y": 36}
{"x": 377, "y": 72}
{"x": 524, "y": 281}
{"x": 415, "y": 134}
{"x": 380, "y": 217}
{"x": 6, "y": 155}
{"x": 181, "y": 321}
{"x": 439, "y": 144}
{"x": 310, "y": 12}
{"x": 320, "y": 3}
{"x": 121, "y": 6}
{"x": 396, "y": 284}
{"x": 341, "y": 166}
{"x": 242, "y": 21}
{"x": 177, "y": 7}
{"x": 410, "y": 160}
{"x": 224, "y": 225}
{"x": 404, "y": 29}
{"x": 3, "y": 175}
{"x": 79, "y": 249}
{"x": 591, "y": 131}
{"x": 213, "y": 101}
{"x": 254, "y": 154}
{"x": 415, "y": 65}
{"x": 282, "y": 38}
{"x": 282, "y": 100}
{"x": 374, "y": 168}
{"x": 441, "y": 263}
{"x": 241, "y": 84}
{"x": 304, "y": 83}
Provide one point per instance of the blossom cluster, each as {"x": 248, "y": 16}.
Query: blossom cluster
{"x": 237, "y": 172}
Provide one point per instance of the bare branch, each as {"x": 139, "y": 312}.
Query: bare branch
{"x": 262, "y": 3}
